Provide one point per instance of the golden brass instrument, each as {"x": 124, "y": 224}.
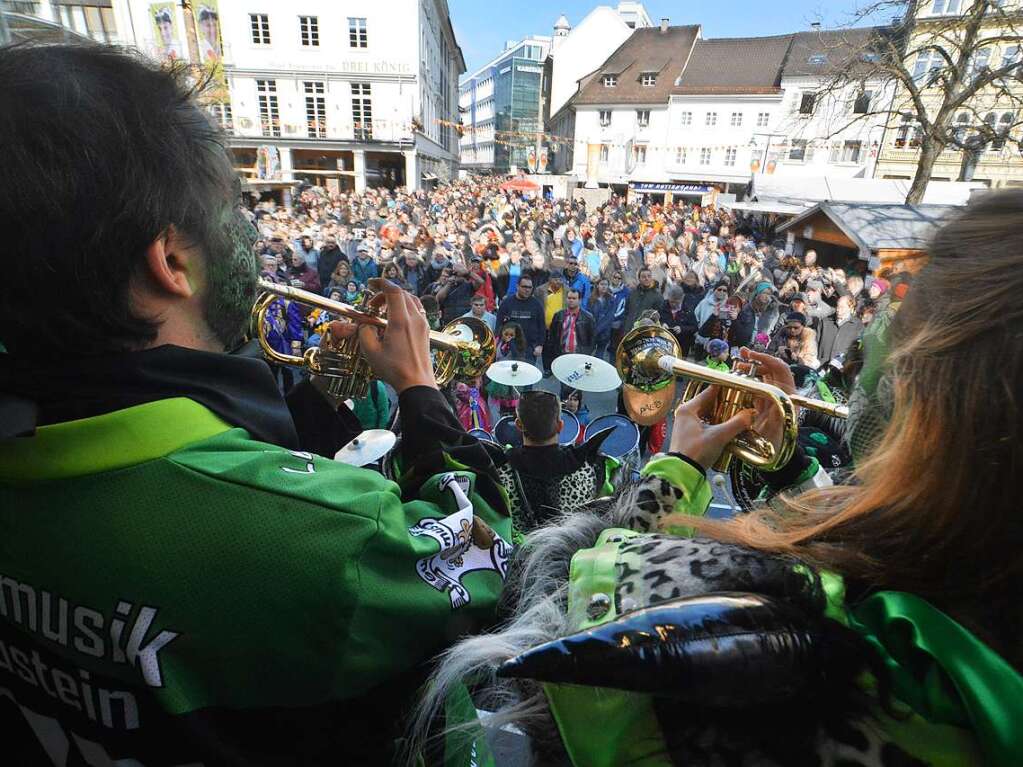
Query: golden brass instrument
{"x": 648, "y": 362}
{"x": 464, "y": 349}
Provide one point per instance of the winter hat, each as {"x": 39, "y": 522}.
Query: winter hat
{"x": 717, "y": 346}
{"x": 761, "y": 339}
{"x": 761, "y": 287}
{"x": 882, "y": 286}
{"x": 795, "y": 317}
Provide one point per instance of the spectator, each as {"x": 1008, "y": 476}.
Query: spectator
{"x": 553, "y": 296}
{"x": 646, "y": 296}
{"x": 796, "y": 343}
{"x": 838, "y": 333}
{"x": 455, "y": 295}
{"x": 364, "y": 268}
{"x": 679, "y": 317}
{"x": 301, "y": 275}
{"x": 478, "y": 309}
{"x": 308, "y": 250}
{"x": 525, "y": 310}
{"x": 571, "y": 330}
{"x": 602, "y": 307}
{"x": 574, "y": 278}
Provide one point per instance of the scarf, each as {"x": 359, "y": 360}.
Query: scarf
{"x": 568, "y": 336}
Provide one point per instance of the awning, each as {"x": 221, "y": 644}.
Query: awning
{"x": 766, "y": 206}
{"x": 658, "y": 188}
{"x": 520, "y": 185}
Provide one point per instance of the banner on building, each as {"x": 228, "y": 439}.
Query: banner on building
{"x": 268, "y": 163}
{"x": 211, "y": 49}
{"x": 165, "y": 31}
{"x": 541, "y": 163}
{"x": 531, "y": 159}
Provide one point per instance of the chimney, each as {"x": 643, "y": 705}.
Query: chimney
{"x": 664, "y": 24}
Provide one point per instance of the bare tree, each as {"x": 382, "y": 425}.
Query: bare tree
{"x": 956, "y": 68}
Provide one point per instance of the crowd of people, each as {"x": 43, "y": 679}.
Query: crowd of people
{"x": 188, "y": 577}
{"x": 552, "y": 276}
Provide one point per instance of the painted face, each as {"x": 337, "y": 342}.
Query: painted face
{"x": 231, "y": 272}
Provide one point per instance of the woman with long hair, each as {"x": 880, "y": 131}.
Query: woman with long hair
{"x": 876, "y": 623}
{"x": 339, "y": 277}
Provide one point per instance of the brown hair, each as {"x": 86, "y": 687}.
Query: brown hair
{"x": 935, "y": 510}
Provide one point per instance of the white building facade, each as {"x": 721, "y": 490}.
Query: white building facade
{"x": 735, "y": 108}
{"x": 347, "y": 96}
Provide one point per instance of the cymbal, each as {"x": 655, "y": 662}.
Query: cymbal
{"x": 514, "y": 373}
{"x": 585, "y": 373}
{"x": 369, "y": 447}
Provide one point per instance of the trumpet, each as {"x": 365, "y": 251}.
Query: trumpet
{"x": 648, "y": 362}
{"x": 463, "y": 350}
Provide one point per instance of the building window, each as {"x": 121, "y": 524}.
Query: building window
{"x": 928, "y": 64}
{"x": 687, "y": 119}
{"x": 315, "y": 109}
{"x": 642, "y": 117}
{"x": 797, "y": 152}
{"x": 605, "y": 152}
{"x": 705, "y": 156}
{"x": 945, "y": 6}
{"x": 357, "y": 37}
{"x": 851, "y": 151}
{"x": 1004, "y": 126}
{"x": 269, "y": 114}
{"x": 605, "y": 118}
{"x": 1010, "y": 57}
{"x": 908, "y": 135}
{"x": 680, "y": 156}
{"x": 979, "y": 64}
{"x": 362, "y": 111}
{"x": 93, "y": 20}
{"x": 711, "y": 119}
{"x": 730, "y": 154}
{"x": 861, "y": 105}
{"x": 19, "y": 6}
{"x": 260, "y": 24}
{"x": 609, "y": 81}
{"x": 222, "y": 115}
{"x": 309, "y": 28}
{"x": 806, "y": 101}
{"x": 648, "y": 80}
{"x": 736, "y": 120}
{"x": 962, "y": 123}
{"x": 762, "y": 119}
{"x": 639, "y": 153}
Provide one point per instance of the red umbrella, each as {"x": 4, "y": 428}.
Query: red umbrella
{"x": 520, "y": 185}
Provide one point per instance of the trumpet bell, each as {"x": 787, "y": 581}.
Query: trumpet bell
{"x": 477, "y": 349}
{"x": 647, "y": 391}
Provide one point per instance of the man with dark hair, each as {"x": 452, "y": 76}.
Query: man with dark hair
{"x": 181, "y": 581}
{"x": 572, "y": 330}
{"x": 544, "y": 478}
{"x": 525, "y": 309}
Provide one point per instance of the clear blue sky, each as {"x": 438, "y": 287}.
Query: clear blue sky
{"x": 483, "y": 26}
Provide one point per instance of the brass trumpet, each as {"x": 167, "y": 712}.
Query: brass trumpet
{"x": 464, "y": 349}
{"x": 648, "y": 362}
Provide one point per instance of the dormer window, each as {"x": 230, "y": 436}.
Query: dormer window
{"x": 648, "y": 80}
{"x": 610, "y": 81}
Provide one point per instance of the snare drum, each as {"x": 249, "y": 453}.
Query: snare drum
{"x": 570, "y": 431}
{"x": 507, "y": 433}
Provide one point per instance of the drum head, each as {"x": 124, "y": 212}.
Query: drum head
{"x": 482, "y": 435}
{"x": 570, "y": 431}
{"x": 622, "y": 441}
{"x": 506, "y": 433}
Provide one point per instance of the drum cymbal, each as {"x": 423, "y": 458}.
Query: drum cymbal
{"x": 369, "y": 447}
{"x": 585, "y": 373}
{"x": 513, "y": 373}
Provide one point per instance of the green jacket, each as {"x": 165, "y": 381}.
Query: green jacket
{"x": 173, "y": 592}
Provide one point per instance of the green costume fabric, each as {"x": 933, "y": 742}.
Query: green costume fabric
{"x": 373, "y": 410}
{"x": 174, "y": 592}
{"x": 961, "y": 703}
